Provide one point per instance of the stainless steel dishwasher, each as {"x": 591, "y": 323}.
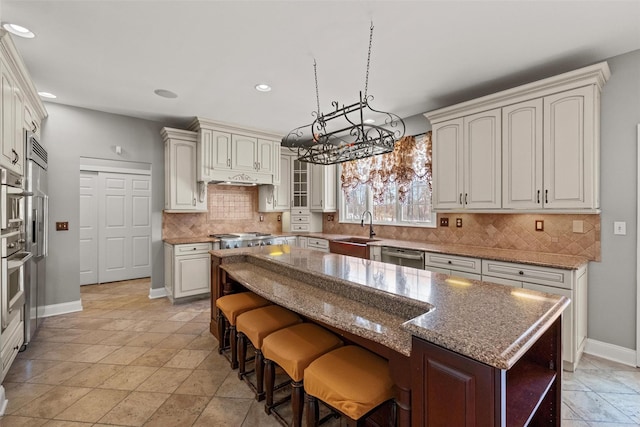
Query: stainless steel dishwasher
{"x": 404, "y": 257}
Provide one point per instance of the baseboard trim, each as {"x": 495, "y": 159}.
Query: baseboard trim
{"x": 3, "y": 401}
{"x": 63, "y": 308}
{"x": 157, "y": 293}
{"x": 612, "y": 352}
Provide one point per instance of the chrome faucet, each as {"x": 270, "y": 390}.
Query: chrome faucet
{"x": 371, "y": 232}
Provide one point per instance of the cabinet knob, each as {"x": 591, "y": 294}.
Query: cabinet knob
{"x": 449, "y": 262}
{"x": 521, "y": 273}
{"x": 546, "y": 196}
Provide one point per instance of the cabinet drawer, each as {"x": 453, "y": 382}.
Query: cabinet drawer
{"x": 453, "y": 262}
{"x": 299, "y": 219}
{"x": 11, "y": 346}
{"x": 299, "y": 227}
{"x": 193, "y": 248}
{"x": 527, "y": 273}
{"x": 317, "y": 243}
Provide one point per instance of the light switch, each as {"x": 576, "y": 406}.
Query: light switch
{"x": 620, "y": 227}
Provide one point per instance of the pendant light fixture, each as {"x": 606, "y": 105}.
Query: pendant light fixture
{"x": 347, "y": 132}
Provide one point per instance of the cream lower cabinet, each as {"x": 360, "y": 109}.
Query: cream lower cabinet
{"x": 11, "y": 340}
{"x": 187, "y": 270}
{"x": 569, "y": 283}
{"x": 454, "y": 265}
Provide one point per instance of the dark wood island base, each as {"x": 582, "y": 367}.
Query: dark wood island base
{"x": 435, "y": 386}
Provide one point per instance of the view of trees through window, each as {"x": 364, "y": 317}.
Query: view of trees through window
{"x": 415, "y": 211}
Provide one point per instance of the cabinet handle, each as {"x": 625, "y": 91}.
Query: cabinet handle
{"x": 35, "y": 127}
{"x": 460, "y": 198}
{"x": 538, "y": 197}
{"x": 194, "y": 201}
{"x": 465, "y": 198}
{"x": 229, "y": 162}
{"x": 15, "y": 157}
{"x": 546, "y": 196}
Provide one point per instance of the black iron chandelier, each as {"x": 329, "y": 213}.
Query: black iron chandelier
{"x": 344, "y": 134}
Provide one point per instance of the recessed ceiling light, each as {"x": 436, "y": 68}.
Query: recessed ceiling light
{"x": 369, "y": 121}
{"x": 263, "y": 87}
{"x": 47, "y": 95}
{"x": 165, "y": 93}
{"x": 18, "y": 30}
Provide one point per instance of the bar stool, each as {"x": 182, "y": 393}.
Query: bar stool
{"x": 293, "y": 349}
{"x": 255, "y": 325}
{"x": 351, "y": 380}
{"x": 229, "y": 308}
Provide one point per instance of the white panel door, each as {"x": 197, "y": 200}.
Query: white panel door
{"x": 244, "y": 153}
{"x": 483, "y": 160}
{"x": 124, "y": 226}
{"x": 88, "y": 228}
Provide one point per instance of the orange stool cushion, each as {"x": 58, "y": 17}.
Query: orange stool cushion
{"x": 235, "y": 304}
{"x": 295, "y": 347}
{"x": 257, "y": 324}
{"x": 351, "y": 379}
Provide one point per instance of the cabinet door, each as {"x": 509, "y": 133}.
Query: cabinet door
{"x": 283, "y": 190}
{"x": 182, "y": 175}
{"x": 447, "y": 165}
{"x": 522, "y": 155}
{"x": 300, "y": 184}
{"x": 568, "y": 340}
{"x": 18, "y": 139}
{"x": 483, "y": 160}
{"x": 244, "y": 155}
{"x": 323, "y": 188}
{"x": 168, "y": 269}
{"x": 570, "y": 157}
{"x": 192, "y": 274}
{"x": 265, "y": 161}
{"x": 7, "y": 154}
{"x": 214, "y": 153}
{"x": 302, "y": 242}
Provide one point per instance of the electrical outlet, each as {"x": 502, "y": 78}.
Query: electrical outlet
{"x": 458, "y": 222}
{"x": 539, "y": 225}
{"x": 261, "y": 218}
{"x": 578, "y": 226}
{"x": 62, "y": 226}
{"x": 279, "y": 218}
{"x": 444, "y": 222}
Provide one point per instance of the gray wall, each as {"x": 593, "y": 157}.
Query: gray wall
{"x": 68, "y": 134}
{"x": 612, "y": 282}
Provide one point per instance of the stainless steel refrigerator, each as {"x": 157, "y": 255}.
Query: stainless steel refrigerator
{"x": 36, "y": 217}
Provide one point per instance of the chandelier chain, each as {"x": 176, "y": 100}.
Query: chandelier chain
{"x": 315, "y": 72}
{"x": 366, "y": 80}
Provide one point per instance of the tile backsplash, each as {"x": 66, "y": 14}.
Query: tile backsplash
{"x": 235, "y": 209}
{"x": 230, "y": 209}
{"x": 505, "y": 231}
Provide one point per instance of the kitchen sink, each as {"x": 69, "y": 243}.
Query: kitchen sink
{"x": 351, "y": 246}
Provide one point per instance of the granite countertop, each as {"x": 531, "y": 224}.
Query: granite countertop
{"x": 386, "y": 303}
{"x": 542, "y": 259}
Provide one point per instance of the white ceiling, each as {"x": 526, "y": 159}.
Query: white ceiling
{"x": 111, "y": 55}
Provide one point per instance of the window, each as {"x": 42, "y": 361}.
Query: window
{"x": 395, "y": 187}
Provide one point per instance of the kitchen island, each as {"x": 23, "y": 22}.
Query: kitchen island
{"x": 483, "y": 354}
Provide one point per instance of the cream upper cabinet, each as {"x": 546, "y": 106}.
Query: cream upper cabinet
{"x": 277, "y": 197}
{"x": 570, "y": 152}
{"x": 482, "y": 160}
{"x": 233, "y": 154}
{"x": 323, "y": 188}
{"x": 467, "y": 162}
{"x": 182, "y": 192}
{"x": 448, "y": 174}
{"x": 12, "y": 104}
{"x": 214, "y": 152}
{"x": 301, "y": 183}
{"x": 522, "y": 155}
{"x": 534, "y": 147}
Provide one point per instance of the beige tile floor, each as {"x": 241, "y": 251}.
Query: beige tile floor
{"x": 130, "y": 361}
